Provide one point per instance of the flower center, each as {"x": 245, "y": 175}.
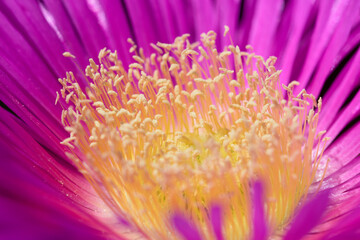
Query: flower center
{"x": 190, "y": 126}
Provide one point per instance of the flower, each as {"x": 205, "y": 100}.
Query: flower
{"x": 188, "y": 126}
{"x": 316, "y": 43}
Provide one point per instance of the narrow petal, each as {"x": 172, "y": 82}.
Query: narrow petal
{"x": 185, "y": 228}
{"x": 259, "y": 221}
{"x": 344, "y": 149}
{"x": 90, "y": 31}
{"x": 350, "y": 112}
{"x": 53, "y": 169}
{"x": 68, "y": 31}
{"x": 247, "y": 10}
{"x": 347, "y": 228}
{"x": 264, "y": 25}
{"x": 217, "y": 221}
{"x": 28, "y": 19}
{"x": 340, "y": 90}
{"x": 203, "y": 16}
{"x": 119, "y": 25}
{"x": 330, "y": 13}
{"x": 32, "y": 209}
{"x": 228, "y": 12}
{"x": 144, "y": 17}
{"x": 308, "y": 217}
{"x": 291, "y": 29}
{"x": 330, "y": 55}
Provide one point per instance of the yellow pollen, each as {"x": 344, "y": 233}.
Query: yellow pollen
{"x": 188, "y": 127}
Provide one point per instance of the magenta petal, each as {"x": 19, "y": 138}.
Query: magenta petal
{"x": 352, "y": 41}
{"x": 228, "y": 11}
{"x": 48, "y": 166}
{"x": 327, "y": 20}
{"x": 344, "y": 149}
{"x": 308, "y": 217}
{"x": 348, "y": 228}
{"x": 118, "y": 25}
{"x": 287, "y": 46}
{"x": 344, "y": 185}
{"x": 264, "y": 25}
{"x": 348, "y": 235}
{"x": 91, "y": 31}
{"x": 259, "y": 222}
{"x": 247, "y": 9}
{"x": 31, "y": 209}
{"x": 203, "y": 10}
{"x": 28, "y": 19}
{"x": 185, "y": 227}
{"x": 341, "y": 181}
{"x": 68, "y": 31}
{"x": 341, "y": 88}
{"x": 331, "y": 54}
{"x": 146, "y": 24}
{"x": 350, "y": 113}
{"x": 216, "y": 221}
{"x": 25, "y": 219}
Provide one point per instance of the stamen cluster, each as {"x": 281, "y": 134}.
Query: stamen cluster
{"x": 190, "y": 126}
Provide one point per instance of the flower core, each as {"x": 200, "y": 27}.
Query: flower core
{"x": 188, "y": 127}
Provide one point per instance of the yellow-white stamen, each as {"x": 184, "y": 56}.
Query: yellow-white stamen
{"x": 188, "y": 127}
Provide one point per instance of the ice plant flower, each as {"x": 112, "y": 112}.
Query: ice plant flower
{"x": 188, "y": 126}
{"x": 43, "y": 194}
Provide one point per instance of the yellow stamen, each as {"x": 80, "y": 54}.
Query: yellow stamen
{"x": 67, "y": 54}
{"x": 188, "y": 127}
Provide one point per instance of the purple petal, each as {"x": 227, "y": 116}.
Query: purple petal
{"x": 91, "y": 32}
{"x": 228, "y": 12}
{"x": 260, "y": 230}
{"x": 343, "y": 149}
{"x": 308, "y": 217}
{"x": 342, "y": 180}
{"x": 119, "y": 26}
{"x": 31, "y": 209}
{"x": 217, "y": 221}
{"x": 185, "y": 227}
{"x": 347, "y": 228}
{"x": 328, "y": 19}
{"x": 203, "y": 16}
{"x": 28, "y": 19}
{"x": 245, "y": 22}
{"x": 51, "y": 168}
{"x": 292, "y": 25}
{"x": 337, "y": 94}
{"x": 28, "y": 75}
{"x": 350, "y": 113}
{"x": 264, "y": 25}
{"x": 143, "y": 17}
{"x": 344, "y": 185}
{"x": 69, "y": 33}
{"x": 330, "y": 55}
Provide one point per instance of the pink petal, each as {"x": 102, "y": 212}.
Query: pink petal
{"x": 308, "y": 216}
{"x": 330, "y": 55}
{"x": 289, "y": 36}
{"x": 217, "y": 221}
{"x": 31, "y": 209}
{"x": 339, "y": 91}
{"x": 347, "y": 228}
{"x": 258, "y": 219}
{"x": 91, "y": 32}
{"x": 185, "y": 227}
{"x": 264, "y": 23}
{"x": 350, "y": 113}
{"x": 344, "y": 149}
{"x": 330, "y": 13}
